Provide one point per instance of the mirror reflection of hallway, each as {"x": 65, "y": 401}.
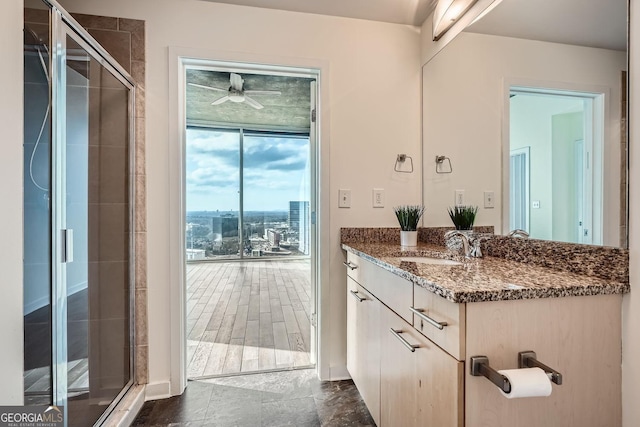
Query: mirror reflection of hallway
{"x": 556, "y": 161}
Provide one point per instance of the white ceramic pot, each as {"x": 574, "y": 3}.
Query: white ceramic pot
{"x": 408, "y": 238}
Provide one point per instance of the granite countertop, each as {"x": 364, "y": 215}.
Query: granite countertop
{"x": 481, "y": 279}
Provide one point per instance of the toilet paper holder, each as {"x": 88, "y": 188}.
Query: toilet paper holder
{"x": 526, "y": 359}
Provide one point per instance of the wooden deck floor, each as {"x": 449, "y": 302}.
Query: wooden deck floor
{"x": 247, "y": 316}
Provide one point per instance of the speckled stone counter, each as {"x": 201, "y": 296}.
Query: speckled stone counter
{"x": 484, "y": 279}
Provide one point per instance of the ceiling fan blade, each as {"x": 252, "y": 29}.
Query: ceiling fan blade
{"x": 236, "y": 81}
{"x": 262, "y": 92}
{"x": 208, "y": 87}
{"x": 221, "y": 100}
{"x": 255, "y": 104}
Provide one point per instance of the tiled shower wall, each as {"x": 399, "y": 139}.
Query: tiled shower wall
{"x": 124, "y": 39}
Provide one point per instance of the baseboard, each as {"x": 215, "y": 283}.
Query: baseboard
{"x": 160, "y": 390}
{"x": 338, "y": 373}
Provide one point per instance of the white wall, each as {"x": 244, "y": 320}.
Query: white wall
{"x": 11, "y": 108}
{"x": 373, "y": 109}
{"x": 631, "y": 304}
{"x": 463, "y": 93}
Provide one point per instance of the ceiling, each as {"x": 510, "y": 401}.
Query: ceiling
{"x": 411, "y": 12}
{"x": 592, "y": 23}
{"x": 288, "y": 111}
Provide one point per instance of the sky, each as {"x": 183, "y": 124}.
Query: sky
{"x": 276, "y": 171}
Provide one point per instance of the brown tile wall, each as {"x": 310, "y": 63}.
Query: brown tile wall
{"x": 124, "y": 39}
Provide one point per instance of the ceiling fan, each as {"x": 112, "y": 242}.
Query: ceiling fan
{"x": 236, "y": 92}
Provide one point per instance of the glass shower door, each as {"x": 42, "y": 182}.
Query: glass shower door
{"x": 92, "y": 215}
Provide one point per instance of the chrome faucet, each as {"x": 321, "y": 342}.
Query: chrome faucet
{"x": 518, "y": 233}
{"x": 470, "y": 246}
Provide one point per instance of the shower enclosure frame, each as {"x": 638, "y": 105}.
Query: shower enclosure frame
{"x": 63, "y": 25}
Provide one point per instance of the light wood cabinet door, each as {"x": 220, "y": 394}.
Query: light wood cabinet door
{"x": 363, "y": 345}
{"x": 423, "y": 387}
{"x": 398, "y": 394}
{"x": 440, "y": 388}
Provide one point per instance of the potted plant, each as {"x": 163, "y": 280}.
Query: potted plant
{"x": 463, "y": 217}
{"x": 408, "y": 217}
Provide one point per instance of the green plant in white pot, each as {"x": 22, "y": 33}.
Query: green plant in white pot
{"x": 408, "y": 217}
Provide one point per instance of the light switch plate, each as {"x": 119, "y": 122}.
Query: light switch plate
{"x": 378, "y": 197}
{"x": 489, "y": 200}
{"x": 344, "y": 200}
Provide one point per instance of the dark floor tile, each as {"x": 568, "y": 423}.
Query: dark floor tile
{"x": 290, "y": 398}
{"x": 223, "y": 394}
{"x": 295, "y": 412}
{"x": 234, "y": 414}
{"x": 272, "y": 386}
{"x": 339, "y": 404}
{"x": 143, "y": 416}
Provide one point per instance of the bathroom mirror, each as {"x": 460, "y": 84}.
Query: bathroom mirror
{"x": 529, "y": 105}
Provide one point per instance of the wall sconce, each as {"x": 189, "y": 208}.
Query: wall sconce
{"x": 447, "y": 13}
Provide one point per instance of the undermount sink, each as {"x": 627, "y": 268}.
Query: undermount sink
{"x": 429, "y": 260}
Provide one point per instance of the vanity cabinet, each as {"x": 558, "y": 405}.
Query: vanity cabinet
{"x": 403, "y": 377}
{"x": 578, "y": 336}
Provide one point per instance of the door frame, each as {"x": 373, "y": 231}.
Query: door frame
{"x": 599, "y": 130}
{"x": 179, "y": 59}
{"x": 526, "y": 151}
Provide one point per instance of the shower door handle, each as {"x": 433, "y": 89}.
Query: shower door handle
{"x": 67, "y": 245}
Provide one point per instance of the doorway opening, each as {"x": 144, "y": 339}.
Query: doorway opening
{"x": 556, "y": 140}
{"x": 250, "y": 233}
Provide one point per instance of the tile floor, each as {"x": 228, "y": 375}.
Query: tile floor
{"x": 288, "y": 398}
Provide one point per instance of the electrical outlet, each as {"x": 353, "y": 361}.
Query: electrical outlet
{"x": 344, "y": 200}
{"x": 378, "y": 197}
{"x": 489, "y": 202}
{"x": 459, "y": 198}
{"x": 535, "y": 204}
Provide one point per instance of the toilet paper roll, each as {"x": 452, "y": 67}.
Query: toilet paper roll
{"x": 527, "y": 382}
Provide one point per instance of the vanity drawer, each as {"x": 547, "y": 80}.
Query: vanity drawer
{"x": 353, "y": 265}
{"x": 393, "y": 291}
{"x": 451, "y": 337}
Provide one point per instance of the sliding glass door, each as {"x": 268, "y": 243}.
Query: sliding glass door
{"x": 248, "y": 194}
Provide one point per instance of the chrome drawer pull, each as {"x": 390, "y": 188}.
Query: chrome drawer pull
{"x": 356, "y": 296}
{"x": 349, "y": 265}
{"x": 419, "y": 312}
{"x": 396, "y": 333}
